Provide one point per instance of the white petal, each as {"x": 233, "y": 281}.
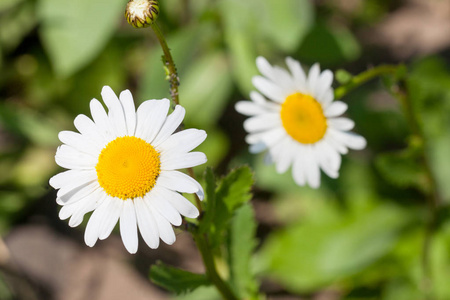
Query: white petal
{"x": 326, "y": 99}
{"x": 175, "y": 161}
{"x": 100, "y": 118}
{"x": 78, "y": 193}
{"x": 313, "y": 78}
{"x": 334, "y": 143}
{"x": 87, "y": 204}
{"x": 114, "y": 209}
{"x": 129, "y": 110}
{"x": 264, "y": 67}
{"x": 269, "y": 89}
{"x": 146, "y": 223}
{"x": 183, "y": 141}
{"x": 249, "y": 108}
{"x": 349, "y": 139}
{"x": 116, "y": 114}
{"x": 76, "y": 180}
{"x": 150, "y": 117}
{"x": 164, "y": 228}
{"x": 92, "y": 227}
{"x": 325, "y": 81}
{"x": 170, "y": 125}
{"x": 67, "y": 177}
{"x": 181, "y": 204}
{"x": 298, "y": 167}
{"x": 177, "y": 181}
{"x": 70, "y": 158}
{"x": 79, "y": 142}
{"x": 311, "y": 168}
{"x": 89, "y": 130}
{"x": 283, "y": 155}
{"x": 158, "y": 199}
{"x": 128, "y": 226}
{"x": 298, "y": 73}
{"x": 262, "y": 122}
{"x": 68, "y": 210}
{"x": 343, "y": 124}
{"x": 335, "y": 109}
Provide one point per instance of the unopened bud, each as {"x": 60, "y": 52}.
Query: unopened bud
{"x": 142, "y": 13}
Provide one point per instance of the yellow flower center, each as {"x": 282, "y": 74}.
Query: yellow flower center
{"x": 302, "y": 117}
{"x": 128, "y": 167}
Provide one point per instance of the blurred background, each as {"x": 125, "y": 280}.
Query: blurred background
{"x": 358, "y": 237}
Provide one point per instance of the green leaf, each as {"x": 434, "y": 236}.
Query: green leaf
{"x": 16, "y": 24}
{"x": 7, "y": 4}
{"x": 241, "y": 246}
{"x": 234, "y": 189}
{"x": 254, "y": 27}
{"x": 286, "y": 22}
{"x": 403, "y": 169}
{"x": 337, "y": 45}
{"x": 74, "y": 32}
{"x": 429, "y": 90}
{"x": 176, "y": 280}
{"x": 231, "y": 193}
{"x": 205, "y": 89}
{"x": 332, "y": 245}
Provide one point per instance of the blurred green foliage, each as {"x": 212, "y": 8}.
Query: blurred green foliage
{"x": 360, "y": 235}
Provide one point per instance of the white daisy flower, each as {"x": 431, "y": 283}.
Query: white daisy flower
{"x": 122, "y": 165}
{"x": 297, "y": 120}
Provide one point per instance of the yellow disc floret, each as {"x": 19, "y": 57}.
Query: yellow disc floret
{"x": 303, "y": 119}
{"x": 128, "y": 167}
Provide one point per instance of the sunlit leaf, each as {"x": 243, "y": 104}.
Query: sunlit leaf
{"x": 241, "y": 246}
{"x": 74, "y": 32}
{"x": 176, "y": 280}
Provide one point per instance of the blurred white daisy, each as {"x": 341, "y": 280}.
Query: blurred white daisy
{"x": 122, "y": 165}
{"x": 297, "y": 120}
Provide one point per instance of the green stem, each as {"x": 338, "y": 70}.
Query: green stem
{"x": 363, "y": 78}
{"x": 211, "y": 271}
{"x": 174, "y": 83}
{"x": 173, "y": 76}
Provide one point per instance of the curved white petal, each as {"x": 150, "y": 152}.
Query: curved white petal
{"x": 172, "y": 122}
{"x": 126, "y": 99}
{"x": 183, "y": 141}
{"x": 93, "y": 225}
{"x": 116, "y": 113}
{"x": 343, "y": 124}
{"x": 349, "y": 139}
{"x": 262, "y": 122}
{"x": 150, "y": 118}
{"x": 158, "y": 199}
{"x": 182, "y": 205}
{"x": 174, "y": 161}
{"x": 100, "y": 118}
{"x": 249, "y": 108}
{"x": 335, "y": 109}
{"x": 146, "y": 223}
{"x": 128, "y": 226}
{"x": 114, "y": 208}
{"x": 79, "y": 142}
{"x": 297, "y": 73}
{"x": 269, "y": 89}
{"x": 165, "y": 229}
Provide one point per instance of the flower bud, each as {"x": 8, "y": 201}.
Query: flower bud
{"x": 142, "y": 13}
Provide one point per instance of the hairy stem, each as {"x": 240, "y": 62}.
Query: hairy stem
{"x": 211, "y": 270}
{"x": 169, "y": 64}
